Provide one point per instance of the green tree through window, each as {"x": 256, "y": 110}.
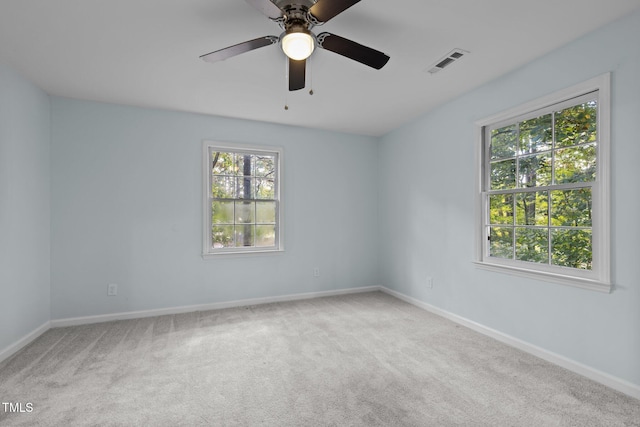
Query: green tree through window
{"x": 540, "y": 188}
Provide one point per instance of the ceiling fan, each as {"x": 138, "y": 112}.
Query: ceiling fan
{"x": 297, "y": 18}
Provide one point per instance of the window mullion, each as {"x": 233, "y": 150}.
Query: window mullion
{"x": 514, "y": 205}
{"x": 567, "y": 186}
{"x": 553, "y": 182}
{"x": 517, "y": 177}
{"x": 514, "y": 195}
{"x": 549, "y": 245}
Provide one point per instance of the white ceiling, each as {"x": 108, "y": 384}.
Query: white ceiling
{"x": 146, "y": 53}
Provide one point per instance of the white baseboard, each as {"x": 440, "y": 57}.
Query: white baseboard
{"x": 611, "y": 381}
{"x": 73, "y": 321}
{"x": 24, "y": 341}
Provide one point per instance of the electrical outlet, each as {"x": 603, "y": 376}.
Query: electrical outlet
{"x": 316, "y": 272}
{"x": 429, "y": 282}
{"x": 112, "y": 289}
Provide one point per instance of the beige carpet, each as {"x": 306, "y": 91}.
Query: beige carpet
{"x": 356, "y": 360}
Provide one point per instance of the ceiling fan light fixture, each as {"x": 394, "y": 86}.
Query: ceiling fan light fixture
{"x": 298, "y": 45}
{"x": 297, "y": 18}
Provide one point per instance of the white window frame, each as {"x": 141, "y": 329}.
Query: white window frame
{"x": 599, "y": 277}
{"x": 208, "y": 252}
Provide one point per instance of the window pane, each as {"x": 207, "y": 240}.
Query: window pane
{"x": 221, "y": 212}
{"x": 532, "y": 244}
{"x": 501, "y": 242}
{"x": 245, "y": 212}
{"x": 501, "y": 209}
{"x": 504, "y": 141}
{"x": 571, "y": 208}
{"x": 246, "y": 187}
{"x": 244, "y": 234}
{"x": 534, "y": 171}
{"x": 532, "y": 208}
{"x": 222, "y": 236}
{"x": 576, "y": 164}
{"x": 265, "y": 235}
{"x": 576, "y": 125}
{"x": 223, "y": 187}
{"x": 244, "y": 199}
{"x": 265, "y": 188}
{"x": 244, "y": 164}
{"x": 265, "y": 212}
{"x": 265, "y": 166}
{"x": 222, "y": 163}
{"x": 572, "y": 248}
{"x": 503, "y": 174}
{"x": 535, "y": 135}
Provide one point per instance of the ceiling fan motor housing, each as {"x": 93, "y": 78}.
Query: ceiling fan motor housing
{"x": 285, "y": 4}
{"x": 297, "y": 14}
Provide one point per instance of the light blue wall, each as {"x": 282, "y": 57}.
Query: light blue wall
{"x": 427, "y": 208}
{"x": 24, "y": 207}
{"x": 127, "y": 209}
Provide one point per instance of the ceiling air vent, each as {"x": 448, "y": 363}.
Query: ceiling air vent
{"x": 447, "y": 60}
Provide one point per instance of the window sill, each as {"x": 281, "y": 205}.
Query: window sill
{"x": 580, "y": 282}
{"x": 233, "y": 254}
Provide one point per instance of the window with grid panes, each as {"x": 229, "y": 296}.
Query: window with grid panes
{"x": 242, "y": 203}
{"x": 543, "y": 191}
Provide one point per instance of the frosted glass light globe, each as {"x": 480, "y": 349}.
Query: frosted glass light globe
{"x": 298, "y": 46}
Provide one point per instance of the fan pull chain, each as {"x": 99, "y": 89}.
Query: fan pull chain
{"x": 286, "y": 84}
{"x": 310, "y": 75}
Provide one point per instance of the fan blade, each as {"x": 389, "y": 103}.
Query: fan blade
{"x": 266, "y": 7}
{"x": 324, "y": 10}
{"x": 239, "y": 48}
{"x": 352, "y": 50}
{"x": 297, "y": 74}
